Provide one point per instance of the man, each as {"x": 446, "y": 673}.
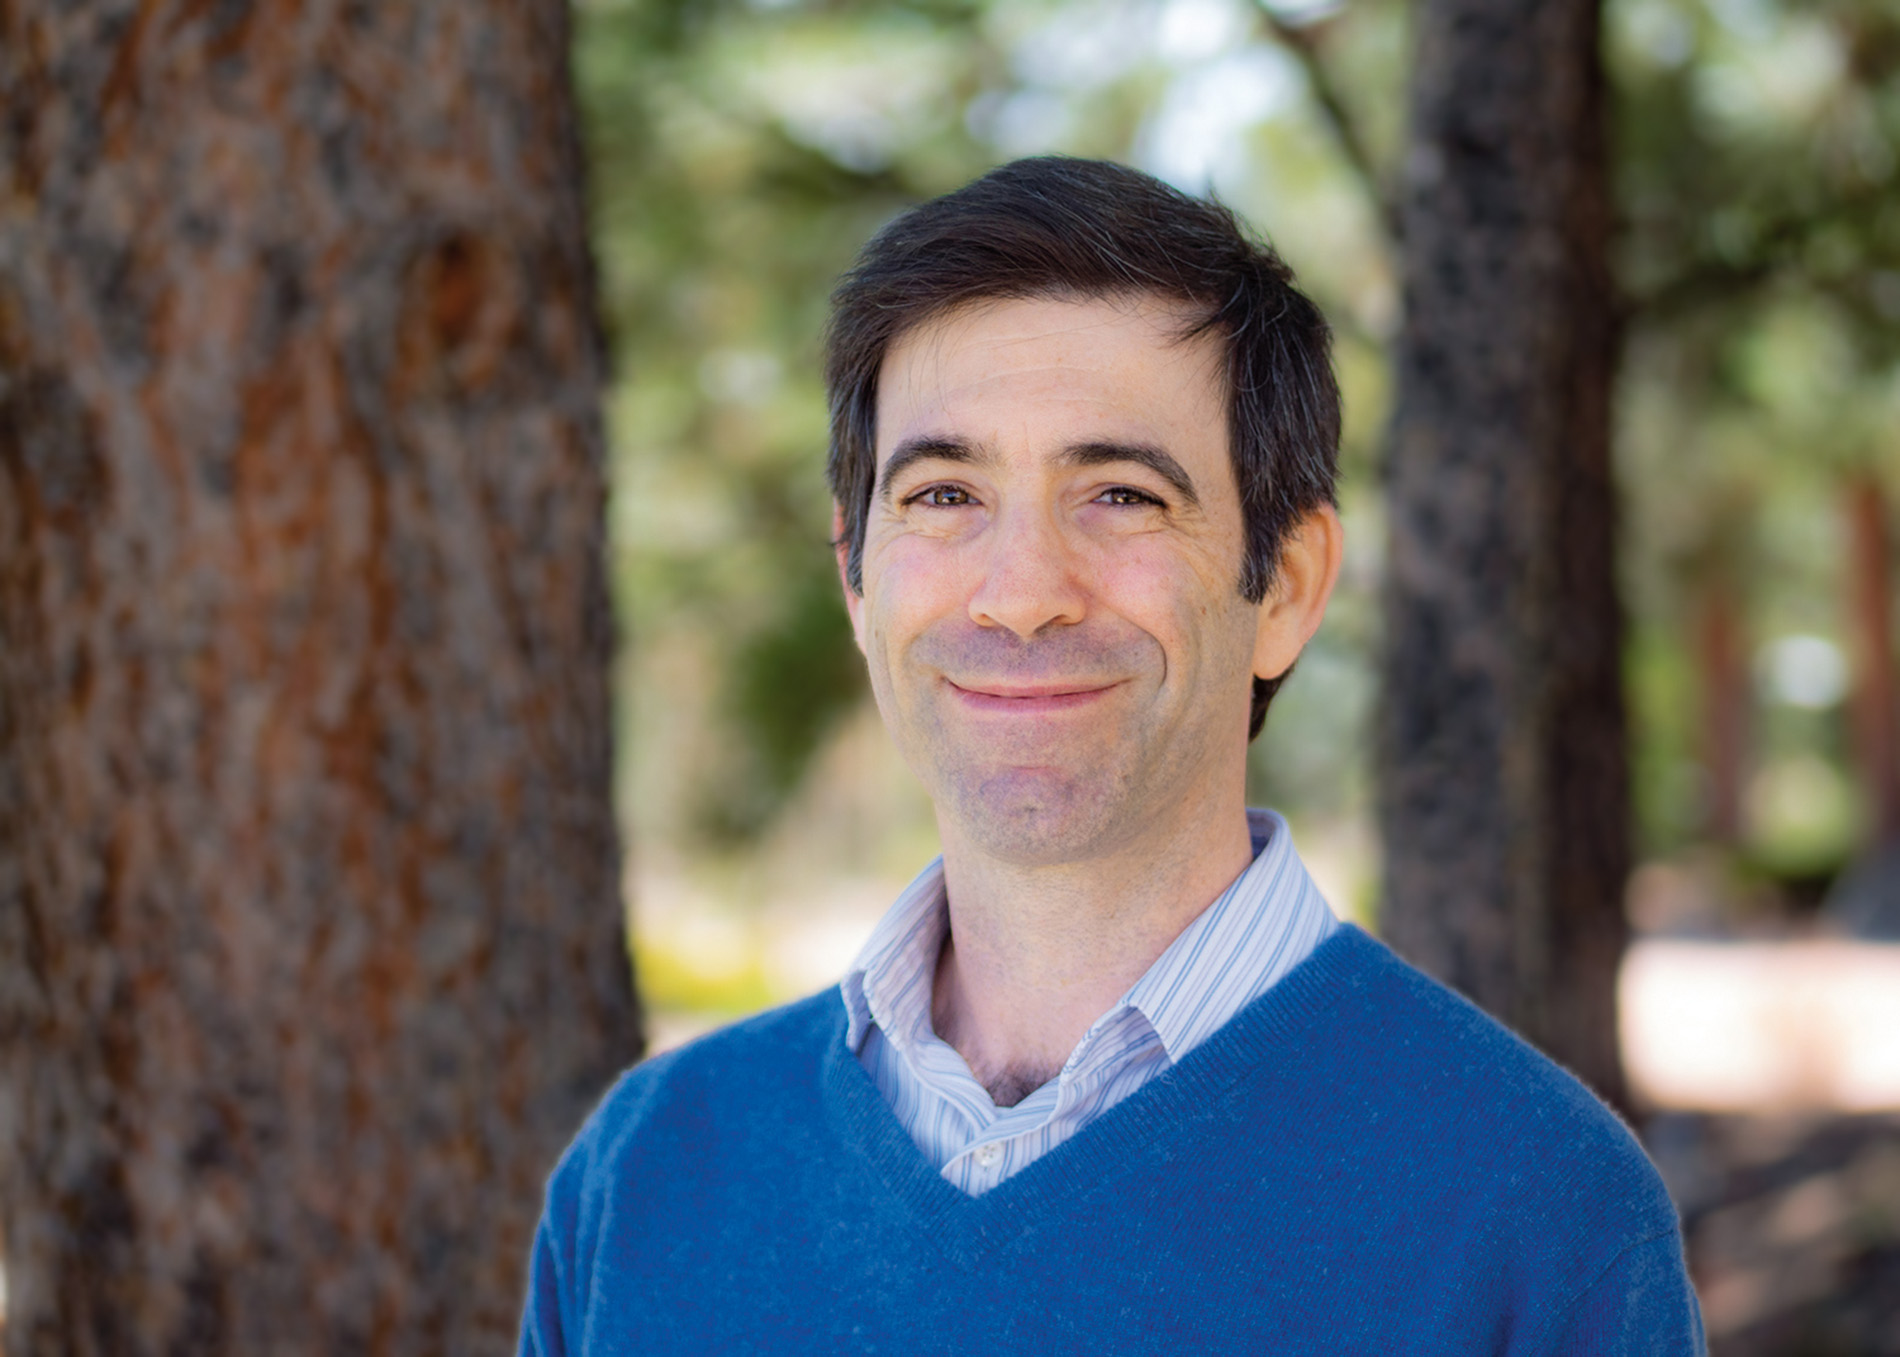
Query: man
{"x": 1109, "y": 1077}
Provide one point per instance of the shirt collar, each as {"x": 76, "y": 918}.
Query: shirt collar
{"x": 1234, "y": 949}
{"x": 889, "y": 983}
{"x": 1230, "y": 954}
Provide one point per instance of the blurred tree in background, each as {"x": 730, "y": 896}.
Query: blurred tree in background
{"x": 1502, "y": 782}
{"x": 311, "y": 954}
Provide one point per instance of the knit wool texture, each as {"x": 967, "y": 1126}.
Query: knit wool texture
{"x": 1359, "y": 1162}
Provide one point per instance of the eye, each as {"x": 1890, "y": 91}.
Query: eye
{"x": 1127, "y": 495}
{"x": 942, "y": 497}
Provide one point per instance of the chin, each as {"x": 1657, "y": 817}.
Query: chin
{"x": 1041, "y": 816}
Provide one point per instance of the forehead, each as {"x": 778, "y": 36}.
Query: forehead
{"x": 1025, "y": 370}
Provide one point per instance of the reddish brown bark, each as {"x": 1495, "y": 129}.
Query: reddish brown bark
{"x": 1876, "y": 745}
{"x": 310, "y": 942}
{"x": 1501, "y": 750}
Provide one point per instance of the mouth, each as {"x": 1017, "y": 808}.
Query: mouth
{"x": 1030, "y": 699}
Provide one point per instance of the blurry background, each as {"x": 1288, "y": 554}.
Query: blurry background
{"x": 741, "y": 152}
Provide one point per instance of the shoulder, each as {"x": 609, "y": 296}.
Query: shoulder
{"x": 1470, "y": 1070}
{"x": 773, "y": 1049}
{"x": 1445, "y": 1088}
{"x": 1502, "y": 1177}
{"x": 681, "y": 1098}
{"x": 663, "y": 1130}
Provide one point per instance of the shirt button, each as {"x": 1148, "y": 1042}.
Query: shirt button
{"x": 989, "y": 1156}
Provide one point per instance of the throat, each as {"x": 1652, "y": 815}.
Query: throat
{"x": 1018, "y": 1074}
{"x": 1010, "y": 1086}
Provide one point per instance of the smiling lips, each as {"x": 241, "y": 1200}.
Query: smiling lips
{"x": 1030, "y": 699}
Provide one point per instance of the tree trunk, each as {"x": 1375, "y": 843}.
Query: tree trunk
{"x": 1870, "y": 609}
{"x": 1503, "y": 782}
{"x": 311, "y": 949}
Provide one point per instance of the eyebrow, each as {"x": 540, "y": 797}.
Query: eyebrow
{"x": 1155, "y": 459}
{"x": 933, "y": 447}
{"x": 928, "y": 448}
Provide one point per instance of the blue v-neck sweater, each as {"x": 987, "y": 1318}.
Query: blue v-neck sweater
{"x": 1360, "y": 1162}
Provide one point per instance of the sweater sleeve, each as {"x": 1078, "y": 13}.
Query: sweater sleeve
{"x": 548, "y": 1318}
{"x": 1642, "y": 1306}
{"x": 541, "y": 1328}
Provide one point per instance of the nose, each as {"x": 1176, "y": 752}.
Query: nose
{"x": 1030, "y": 578}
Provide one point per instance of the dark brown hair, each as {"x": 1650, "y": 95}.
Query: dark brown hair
{"x": 1053, "y": 226}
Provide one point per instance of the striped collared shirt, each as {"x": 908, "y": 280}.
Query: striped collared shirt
{"x": 1261, "y": 927}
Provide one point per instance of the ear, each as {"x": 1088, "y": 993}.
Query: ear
{"x": 853, "y": 600}
{"x": 1303, "y": 581}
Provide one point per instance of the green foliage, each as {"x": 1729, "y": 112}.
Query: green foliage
{"x": 724, "y": 205}
{"x": 792, "y": 681}
{"x": 1756, "y": 147}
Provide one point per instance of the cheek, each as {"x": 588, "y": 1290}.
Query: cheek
{"x": 1180, "y": 599}
{"x": 909, "y": 583}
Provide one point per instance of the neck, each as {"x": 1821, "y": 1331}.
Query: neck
{"x": 1036, "y": 953}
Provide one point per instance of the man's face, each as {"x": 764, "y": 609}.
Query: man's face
{"x": 1051, "y": 610}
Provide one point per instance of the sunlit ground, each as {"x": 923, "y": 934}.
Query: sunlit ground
{"x": 1797, "y": 1025}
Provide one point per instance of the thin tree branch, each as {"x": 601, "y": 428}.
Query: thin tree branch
{"x": 1303, "y": 43}
{"x": 1710, "y": 280}
{"x": 1779, "y": 248}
